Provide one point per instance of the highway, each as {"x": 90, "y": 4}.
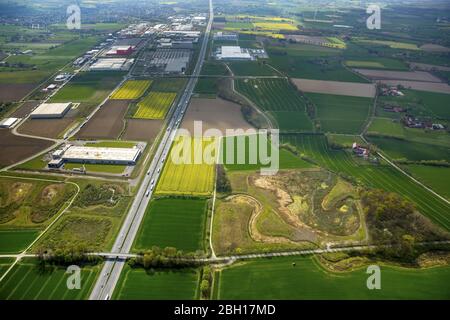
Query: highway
{"x": 112, "y": 268}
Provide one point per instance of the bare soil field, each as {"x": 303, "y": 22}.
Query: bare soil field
{"x": 427, "y": 67}
{"x": 398, "y": 75}
{"x": 421, "y": 86}
{"x": 48, "y": 128}
{"x": 14, "y": 92}
{"x": 307, "y": 39}
{"x": 107, "y": 123}
{"x": 215, "y": 114}
{"x": 434, "y": 48}
{"x": 142, "y": 130}
{"x": 14, "y": 148}
{"x": 25, "y": 109}
{"x": 335, "y": 87}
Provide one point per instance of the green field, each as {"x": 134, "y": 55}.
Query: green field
{"x": 5, "y": 263}
{"x": 16, "y": 240}
{"x": 88, "y": 87}
{"x": 100, "y": 168}
{"x": 137, "y": 284}
{"x": 280, "y": 100}
{"x": 415, "y": 151}
{"x": 170, "y": 222}
{"x": 378, "y": 63}
{"x": 375, "y": 176}
{"x": 168, "y": 84}
{"x": 251, "y": 68}
{"x": 341, "y": 114}
{"x": 111, "y": 144}
{"x": 436, "y": 178}
{"x": 311, "y": 62}
{"x": 386, "y": 127}
{"x": 28, "y": 281}
{"x": 279, "y": 279}
{"x": 206, "y": 86}
{"x": 188, "y": 177}
{"x": 214, "y": 69}
{"x": 131, "y": 90}
{"x": 287, "y": 160}
{"x": 155, "y": 105}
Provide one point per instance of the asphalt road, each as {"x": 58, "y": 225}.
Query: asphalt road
{"x": 110, "y": 274}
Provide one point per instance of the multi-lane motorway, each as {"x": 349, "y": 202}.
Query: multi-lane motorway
{"x": 110, "y": 274}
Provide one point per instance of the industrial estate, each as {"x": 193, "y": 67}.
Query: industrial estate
{"x": 354, "y": 115}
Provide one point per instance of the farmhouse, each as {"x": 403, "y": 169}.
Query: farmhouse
{"x": 233, "y": 53}
{"x": 9, "y": 123}
{"x": 94, "y": 155}
{"x": 360, "y": 151}
{"x": 51, "y": 110}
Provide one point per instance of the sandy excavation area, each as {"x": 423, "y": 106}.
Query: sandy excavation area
{"x": 335, "y": 87}
{"x": 214, "y": 114}
{"x": 398, "y": 75}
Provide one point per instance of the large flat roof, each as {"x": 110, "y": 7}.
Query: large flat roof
{"x": 101, "y": 154}
{"x": 112, "y": 64}
{"x": 234, "y": 52}
{"x": 51, "y": 108}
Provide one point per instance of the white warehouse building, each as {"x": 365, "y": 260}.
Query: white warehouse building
{"x": 94, "y": 155}
{"x": 233, "y": 53}
{"x": 51, "y": 111}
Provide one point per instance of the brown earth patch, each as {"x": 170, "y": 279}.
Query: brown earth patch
{"x": 25, "y": 109}
{"x": 48, "y": 128}
{"x": 14, "y": 92}
{"x": 335, "y": 87}
{"x": 215, "y": 114}
{"x": 15, "y": 149}
{"x": 398, "y": 75}
{"x": 142, "y": 130}
{"x": 430, "y": 47}
{"x": 427, "y": 67}
{"x": 107, "y": 123}
{"x": 421, "y": 86}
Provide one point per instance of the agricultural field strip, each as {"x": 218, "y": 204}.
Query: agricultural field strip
{"x": 155, "y": 105}
{"x": 381, "y": 180}
{"x": 64, "y": 209}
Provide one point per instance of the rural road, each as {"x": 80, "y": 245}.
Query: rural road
{"x": 104, "y": 287}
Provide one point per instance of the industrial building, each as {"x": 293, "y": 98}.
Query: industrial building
{"x": 51, "y": 110}
{"x": 233, "y": 53}
{"x": 112, "y": 64}
{"x": 222, "y": 36}
{"x": 9, "y": 123}
{"x": 120, "y": 51}
{"x": 94, "y": 155}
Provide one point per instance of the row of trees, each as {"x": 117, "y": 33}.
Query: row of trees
{"x": 168, "y": 257}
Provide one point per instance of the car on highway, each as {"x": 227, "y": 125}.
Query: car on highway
{"x": 147, "y": 193}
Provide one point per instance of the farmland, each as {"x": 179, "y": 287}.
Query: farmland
{"x": 251, "y": 68}
{"x": 278, "y": 98}
{"x": 138, "y": 284}
{"x": 28, "y": 281}
{"x": 131, "y": 90}
{"x": 336, "y": 88}
{"x": 155, "y": 105}
{"x": 107, "y": 123}
{"x": 415, "y": 151}
{"x": 434, "y": 177}
{"x": 16, "y": 240}
{"x": 188, "y": 178}
{"x": 142, "y": 130}
{"x": 90, "y": 88}
{"x": 375, "y": 176}
{"x": 279, "y": 279}
{"x": 15, "y": 148}
{"x": 172, "y": 222}
{"x": 341, "y": 114}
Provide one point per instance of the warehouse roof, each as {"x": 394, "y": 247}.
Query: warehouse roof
{"x": 51, "y": 108}
{"x": 233, "y": 52}
{"x": 104, "y": 154}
